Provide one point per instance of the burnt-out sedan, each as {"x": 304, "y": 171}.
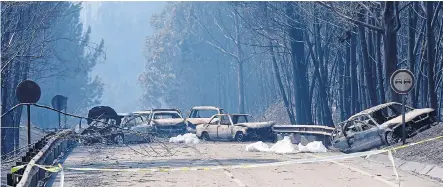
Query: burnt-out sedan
{"x": 379, "y": 126}
{"x": 238, "y": 127}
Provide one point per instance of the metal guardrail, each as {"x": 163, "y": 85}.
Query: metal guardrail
{"x": 306, "y": 129}
{"x": 304, "y": 133}
{"x": 44, "y": 152}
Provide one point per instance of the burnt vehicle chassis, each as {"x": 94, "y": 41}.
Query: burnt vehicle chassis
{"x": 379, "y": 126}
{"x": 106, "y": 131}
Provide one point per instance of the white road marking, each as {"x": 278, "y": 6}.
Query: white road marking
{"x": 362, "y": 172}
{"x": 226, "y": 172}
{"x": 229, "y": 175}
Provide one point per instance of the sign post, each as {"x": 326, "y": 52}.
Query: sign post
{"x": 402, "y": 81}
{"x": 60, "y": 102}
{"x": 28, "y": 92}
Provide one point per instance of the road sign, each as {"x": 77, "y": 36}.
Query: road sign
{"x": 402, "y": 81}
{"x": 59, "y": 102}
{"x": 28, "y": 92}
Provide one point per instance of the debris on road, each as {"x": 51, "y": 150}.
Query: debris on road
{"x": 187, "y": 138}
{"x": 285, "y": 146}
{"x": 312, "y": 147}
{"x": 257, "y": 147}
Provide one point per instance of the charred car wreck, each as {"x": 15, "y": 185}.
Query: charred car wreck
{"x": 379, "y": 126}
{"x": 200, "y": 115}
{"x": 155, "y": 122}
{"x": 103, "y": 127}
{"x": 238, "y": 127}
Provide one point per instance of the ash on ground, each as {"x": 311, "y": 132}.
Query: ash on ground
{"x": 430, "y": 152}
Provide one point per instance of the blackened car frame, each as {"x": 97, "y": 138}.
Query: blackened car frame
{"x": 106, "y": 129}
{"x": 379, "y": 126}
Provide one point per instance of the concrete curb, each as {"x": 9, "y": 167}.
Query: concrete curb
{"x": 429, "y": 170}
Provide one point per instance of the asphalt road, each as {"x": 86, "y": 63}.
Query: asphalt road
{"x": 353, "y": 172}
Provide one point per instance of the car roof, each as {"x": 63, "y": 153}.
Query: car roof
{"x": 373, "y": 109}
{"x": 143, "y": 112}
{"x": 165, "y": 109}
{"x": 205, "y": 108}
{"x": 125, "y": 114}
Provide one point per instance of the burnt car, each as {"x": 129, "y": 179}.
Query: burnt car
{"x": 238, "y": 127}
{"x": 134, "y": 126}
{"x": 166, "y": 122}
{"x": 379, "y": 126}
{"x": 200, "y": 115}
{"x": 103, "y": 127}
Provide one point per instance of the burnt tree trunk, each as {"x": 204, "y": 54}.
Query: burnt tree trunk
{"x": 371, "y": 91}
{"x": 379, "y": 64}
{"x": 430, "y": 54}
{"x": 347, "y": 82}
{"x": 299, "y": 68}
{"x": 353, "y": 71}
{"x": 391, "y": 26}
{"x": 280, "y": 85}
{"x": 412, "y": 21}
{"x": 240, "y": 81}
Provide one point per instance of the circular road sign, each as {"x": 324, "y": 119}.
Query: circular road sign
{"x": 402, "y": 81}
{"x": 28, "y": 92}
{"x": 59, "y": 102}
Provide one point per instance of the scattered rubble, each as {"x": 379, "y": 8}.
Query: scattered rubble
{"x": 187, "y": 138}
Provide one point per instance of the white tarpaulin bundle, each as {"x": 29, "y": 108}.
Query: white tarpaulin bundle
{"x": 283, "y": 146}
{"x": 187, "y": 138}
{"x": 286, "y": 146}
{"x": 257, "y": 147}
{"x": 312, "y": 147}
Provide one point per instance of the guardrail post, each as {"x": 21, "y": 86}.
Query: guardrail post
{"x": 10, "y": 179}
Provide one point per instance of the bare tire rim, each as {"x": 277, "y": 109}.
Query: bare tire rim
{"x": 390, "y": 139}
{"x": 240, "y": 137}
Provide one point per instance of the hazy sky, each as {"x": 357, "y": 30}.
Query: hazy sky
{"x": 124, "y": 27}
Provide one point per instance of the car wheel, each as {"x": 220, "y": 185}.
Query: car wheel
{"x": 205, "y": 136}
{"x": 390, "y": 138}
{"x": 239, "y": 137}
{"x": 118, "y": 139}
{"x": 434, "y": 121}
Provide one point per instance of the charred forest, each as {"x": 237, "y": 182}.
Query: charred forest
{"x": 45, "y": 42}
{"x": 321, "y": 61}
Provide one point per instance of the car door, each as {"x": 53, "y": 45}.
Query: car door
{"x": 212, "y": 127}
{"x": 339, "y": 139}
{"x": 224, "y": 128}
{"x": 366, "y": 136}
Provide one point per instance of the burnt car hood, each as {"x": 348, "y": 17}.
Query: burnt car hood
{"x": 408, "y": 117}
{"x": 256, "y": 124}
{"x": 168, "y": 122}
{"x": 197, "y": 121}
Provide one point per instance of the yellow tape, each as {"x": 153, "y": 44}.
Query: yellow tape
{"x": 58, "y": 168}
